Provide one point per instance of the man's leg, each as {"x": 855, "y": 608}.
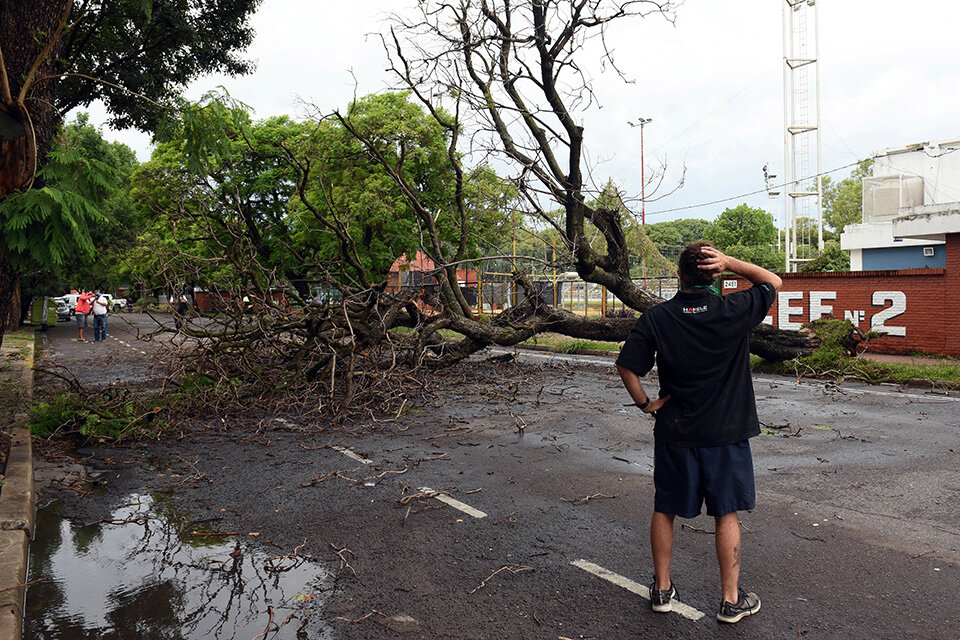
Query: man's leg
{"x": 729, "y": 549}
{"x": 661, "y": 545}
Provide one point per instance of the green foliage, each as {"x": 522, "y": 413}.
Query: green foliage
{"x": 746, "y": 233}
{"x": 61, "y": 212}
{"x": 832, "y": 258}
{"x": 742, "y": 225}
{"x": 349, "y": 190}
{"x": 765, "y": 256}
{"x": 215, "y": 198}
{"x": 152, "y": 49}
{"x": 233, "y": 202}
{"x": 676, "y": 233}
{"x": 843, "y": 200}
{"x": 72, "y": 413}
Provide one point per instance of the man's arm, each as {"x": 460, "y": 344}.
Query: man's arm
{"x": 718, "y": 262}
{"x": 634, "y": 387}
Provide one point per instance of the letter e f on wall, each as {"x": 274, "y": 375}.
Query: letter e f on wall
{"x": 784, "y": 310}
{"x": 817, "y": 308}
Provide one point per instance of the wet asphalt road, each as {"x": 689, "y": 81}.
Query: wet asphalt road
{"x": 856, "y": 532}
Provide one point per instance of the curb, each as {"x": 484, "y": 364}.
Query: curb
{"x": 17, "y": 518}
{"x": 582, "y": 352}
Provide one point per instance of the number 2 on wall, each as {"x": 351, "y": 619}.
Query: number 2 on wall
{"x": 898, "y": 300}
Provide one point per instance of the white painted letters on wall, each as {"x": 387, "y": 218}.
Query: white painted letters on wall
{"x": 817, "y": 308}
{"x": 784, "y": 310}
{"x": 898, "y": 300}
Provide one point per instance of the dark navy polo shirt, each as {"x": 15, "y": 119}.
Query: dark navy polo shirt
{"x": 700, "y": 343}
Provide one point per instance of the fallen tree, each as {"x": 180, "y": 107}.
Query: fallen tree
{"x": 492, "y": 80}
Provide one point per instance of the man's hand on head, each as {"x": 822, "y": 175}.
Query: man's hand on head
{"x": 713, "y": 261}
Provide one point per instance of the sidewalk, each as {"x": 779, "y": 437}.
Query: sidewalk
{"x": 17, "y": 508}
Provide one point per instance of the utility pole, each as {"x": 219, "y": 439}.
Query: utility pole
{"x": 643, "y": 180}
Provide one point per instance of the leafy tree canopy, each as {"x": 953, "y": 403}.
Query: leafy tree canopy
{"x": 832, "y": 258}
{"x": 676, "y": 233}
{"x": 741, "y": 225}
{"x": 82, "y": 174}
{"x": 231, "y": 199}
{"x": 843, "y": 200}
{"x": 153, "y": 48}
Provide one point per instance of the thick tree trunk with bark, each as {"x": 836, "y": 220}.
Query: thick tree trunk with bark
{"x": 7, "y": 278}
{"x": 29, "y": 44}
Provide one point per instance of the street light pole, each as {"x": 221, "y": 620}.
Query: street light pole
{"x": 643, "y": 180}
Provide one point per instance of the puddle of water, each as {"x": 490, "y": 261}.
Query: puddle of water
{"x": 148, "y": 578}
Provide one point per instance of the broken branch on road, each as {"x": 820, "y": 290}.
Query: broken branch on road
{"x": 513, "y": 568}
{"x": 586, "y": 499}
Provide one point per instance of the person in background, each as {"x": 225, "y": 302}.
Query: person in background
{"x": 82, "y": 310}
{"x": 101, "y": 306}
{"x": 180, "y": 310}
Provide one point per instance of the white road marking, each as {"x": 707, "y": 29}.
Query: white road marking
{"x": 456, "y": 504}
{"x": 626, "y": 583}
{"x": 351, "y": 454}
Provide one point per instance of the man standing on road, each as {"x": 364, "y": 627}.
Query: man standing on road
{"x": 101, "y": 305}
{"x": 705, "y": 414}
{"x": 82, "y": 310}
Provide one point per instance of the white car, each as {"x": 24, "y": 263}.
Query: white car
{"x": 64, "y": 310}
{"x": 115, "y": 304}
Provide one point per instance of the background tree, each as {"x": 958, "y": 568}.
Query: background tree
{"x": 50, "y": 228}
{"x": 832, "y": 258}
{"x": 671, "y": 236}
{"x": 746, "y": 233}
{"x": 112, "y": 232}
{"x": 56, "y": 55}
{"x": 843, "y": 200}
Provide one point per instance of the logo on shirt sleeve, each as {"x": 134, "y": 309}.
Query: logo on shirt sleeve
{"x": 700, "y": 309}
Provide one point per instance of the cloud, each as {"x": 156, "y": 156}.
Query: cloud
{"x": 712, "y": 82}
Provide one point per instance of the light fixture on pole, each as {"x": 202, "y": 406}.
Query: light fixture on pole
{"x": 643, "y": 181}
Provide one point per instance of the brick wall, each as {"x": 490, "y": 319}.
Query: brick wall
{"x": 915, "y": 309}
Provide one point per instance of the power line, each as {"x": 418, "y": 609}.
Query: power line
{"x": 752, "y": 193}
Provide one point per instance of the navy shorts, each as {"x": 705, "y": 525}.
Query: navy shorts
{"x": 686, "y": 477}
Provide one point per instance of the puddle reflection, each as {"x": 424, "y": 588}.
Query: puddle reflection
{"x": 143, "y": 576}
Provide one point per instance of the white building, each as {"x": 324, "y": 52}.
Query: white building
{"x": 906, "y": 180}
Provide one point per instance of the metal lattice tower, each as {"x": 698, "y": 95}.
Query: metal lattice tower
{"x": 803, "y": 215}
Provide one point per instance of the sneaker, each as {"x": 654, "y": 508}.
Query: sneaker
{"x": 747, "y": 605}
{"x": 660, "y": 600}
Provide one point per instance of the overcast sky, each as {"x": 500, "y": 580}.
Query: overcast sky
{"x": 712, "y": 82}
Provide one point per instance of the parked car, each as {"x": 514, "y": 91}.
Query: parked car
{"x": 114, "y": 304}
{"x": 71, "y": 300}
{"x": 64, "y": 309}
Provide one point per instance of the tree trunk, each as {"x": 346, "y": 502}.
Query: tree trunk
{"x": 8, "y": 277}
{"x": 16, "y": 305}
{"x": 27, "y": 123}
